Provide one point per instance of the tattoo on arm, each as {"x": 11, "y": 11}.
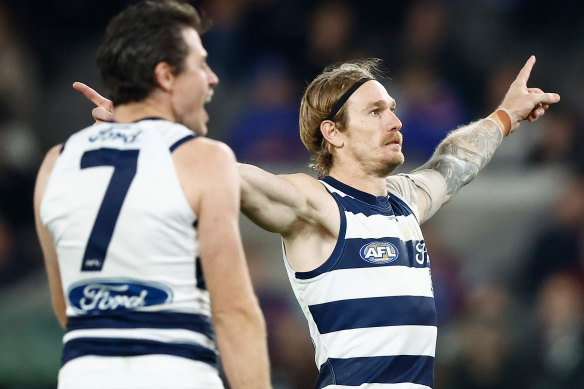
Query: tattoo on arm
{"x": 463, "y": 153}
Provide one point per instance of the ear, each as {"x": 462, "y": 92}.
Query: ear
{"x": 164, "y": 76}
{"x": 331, "y": 133}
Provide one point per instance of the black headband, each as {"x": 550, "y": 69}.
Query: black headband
{"x": 345, "y": 97}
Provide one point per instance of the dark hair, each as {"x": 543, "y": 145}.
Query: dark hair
{"x": 140, "y": 37}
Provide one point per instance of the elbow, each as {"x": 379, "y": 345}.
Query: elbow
{"x": 249, "y": 314}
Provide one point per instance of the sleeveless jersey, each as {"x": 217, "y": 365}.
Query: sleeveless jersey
{"x": 127, "y": 245}
{"x": 370, "y": 307}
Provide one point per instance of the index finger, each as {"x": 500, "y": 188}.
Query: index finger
{"x": 91, "y": 94}
{"x": 525, "y": 72}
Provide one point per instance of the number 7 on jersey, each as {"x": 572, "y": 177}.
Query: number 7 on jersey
{"x": 124, "y": 163}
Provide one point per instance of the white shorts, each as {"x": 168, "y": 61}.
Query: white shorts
{"x": 144, "y": 372}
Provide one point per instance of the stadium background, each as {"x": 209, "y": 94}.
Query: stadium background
{"x": 507, "y": 254}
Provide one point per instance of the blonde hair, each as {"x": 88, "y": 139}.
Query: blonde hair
{"x": 318, "y": 100}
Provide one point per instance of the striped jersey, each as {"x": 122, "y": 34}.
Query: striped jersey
{"x": 127, "y": 245}
{"x": 370, "y": 307}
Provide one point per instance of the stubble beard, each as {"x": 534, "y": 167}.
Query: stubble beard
{"x": 391, "y": 165}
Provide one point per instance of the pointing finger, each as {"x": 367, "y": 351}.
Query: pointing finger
{"x": 92, "y": 95}
{"x": 525, "y": 72}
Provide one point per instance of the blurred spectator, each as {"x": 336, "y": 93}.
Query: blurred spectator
{"x": 331, "y": 37}
{"x": 561, "y": 142}
{"x": 224, "y": 40}
{"x": 18, "y": 73}
{"x": 429, "y": 108}
{"x": 560, "y": 340}
{"x": 560, "y": 246}
{"x": 448, "y": 283}
{"x": 267, "y": 128}
{"x": 487, "y": 359}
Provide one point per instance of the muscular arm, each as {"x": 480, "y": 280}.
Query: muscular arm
{"x": 465, "y": 151}
{"x": 277, "y": 203}
{"x": 208, "y": 174}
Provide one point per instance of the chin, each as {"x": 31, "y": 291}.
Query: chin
{"x": 393, "y": 164}
{"x": 199, "y": 128}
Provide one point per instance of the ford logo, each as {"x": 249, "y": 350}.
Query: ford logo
{"x": 96, "y": 296}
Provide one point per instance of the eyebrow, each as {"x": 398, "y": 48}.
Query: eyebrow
{"x": 381, "y": 104}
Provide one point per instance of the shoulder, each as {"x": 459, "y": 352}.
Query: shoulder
{"x": 311, "y": 187}
{"x": 302, "y": 179}
{"x": 50, "y": 159}
{"x": 45, "y": 171}
{"x": 204, "y": 153}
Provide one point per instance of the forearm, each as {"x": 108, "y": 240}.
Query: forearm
{"x": 463, "y": 153}
{"x": 242, "y": 342}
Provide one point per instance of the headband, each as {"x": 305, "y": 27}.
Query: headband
{"x": 345, "y": 97}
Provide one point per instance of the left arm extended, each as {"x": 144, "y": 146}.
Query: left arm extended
{"x": 466, "y": 150}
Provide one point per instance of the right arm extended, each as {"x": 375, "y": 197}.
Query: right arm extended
{"x": 208, "y": 169}
{"x": 277, "y": 203}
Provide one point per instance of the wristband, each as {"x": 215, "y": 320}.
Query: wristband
{"x": 503, "y": 120}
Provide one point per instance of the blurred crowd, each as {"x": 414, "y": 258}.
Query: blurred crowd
{"x": 446, "y": 63}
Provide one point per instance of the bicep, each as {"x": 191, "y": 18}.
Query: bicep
{"x": 273, "y": 202}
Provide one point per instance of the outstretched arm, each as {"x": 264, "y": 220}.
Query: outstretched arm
{"x": 465, "y": 151}
{"x": 279, "y": 203}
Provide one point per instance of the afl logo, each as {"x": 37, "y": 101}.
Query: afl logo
{"x": 379, "y": 252}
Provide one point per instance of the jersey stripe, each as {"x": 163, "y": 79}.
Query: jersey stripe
{"x": 380, "y": 226}
{"x": 372, "y": 281}
{"x": 401, "y": 385}
{"x": 157, "y": 335}
{"x": 394, "y": 369}
{"x": 131, "y": 347}
{"x": 132, "y": 319}
{"x": 355, "y": 313}
{"x": 381, "y": 341}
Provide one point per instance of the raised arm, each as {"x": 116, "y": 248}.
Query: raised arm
{"x": 465, "y": 151}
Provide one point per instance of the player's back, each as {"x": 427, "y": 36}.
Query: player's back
{"x": 127, "y": 248}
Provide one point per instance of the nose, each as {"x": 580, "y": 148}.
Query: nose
{"x": 394, "y": 124}
{"x": 212, "y": 78}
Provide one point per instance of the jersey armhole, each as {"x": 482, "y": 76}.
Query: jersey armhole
{"x": 179, "y": 142}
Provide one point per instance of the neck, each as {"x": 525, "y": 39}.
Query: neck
{"x": 149, "y": 107}
{"x": 368, "y": 183}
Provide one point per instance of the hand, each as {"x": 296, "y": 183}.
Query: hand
{"x": 104, "y": 110}
{"x": 524, "y": 103}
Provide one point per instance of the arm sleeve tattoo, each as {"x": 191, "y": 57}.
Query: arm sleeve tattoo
{"x": 463, "y": 153}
